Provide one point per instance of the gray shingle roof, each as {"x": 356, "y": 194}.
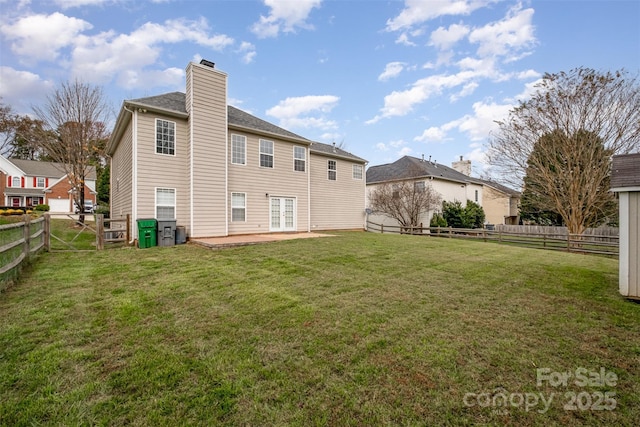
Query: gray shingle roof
{"x": 409, "y": 167}
{"x": 500, "y": 187}
{"x": 47, "y": 169}
{"x": 331, "y": 150}
{"x": 176, "y": 101}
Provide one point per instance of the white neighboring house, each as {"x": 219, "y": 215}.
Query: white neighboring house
{"x": 28, "y": 183}
{"x": 453, "y": 183}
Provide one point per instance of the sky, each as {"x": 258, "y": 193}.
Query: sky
{"x": 383, "y": 79}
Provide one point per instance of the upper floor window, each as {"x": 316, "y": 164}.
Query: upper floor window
{"x": 238, "y": 150}
{"x": 16, "y": 181}
{"x": 40, "y": 182}
{"x": 266, "y": 153}
{"x": 357, "y": 171}
{"x": 418, "y": 186}
{"x": 165, "y": 203}
{"x": 165, "y": 137}
{"x": 332, "y": 170}
{"x": 299, "y": 158}
{"x": 476, "y": 196}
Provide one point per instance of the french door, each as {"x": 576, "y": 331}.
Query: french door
{"x": 282, "y": 211}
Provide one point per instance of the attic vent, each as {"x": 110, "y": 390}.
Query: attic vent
{"x": 207, "y": 63}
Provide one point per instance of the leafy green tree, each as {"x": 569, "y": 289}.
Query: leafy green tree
{"x": 103, "y": 185}
{"x": 470, "y": 216}
{"x": 473, "y": 215}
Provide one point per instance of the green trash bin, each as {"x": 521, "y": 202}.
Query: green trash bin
{"x": 147, "y": 231}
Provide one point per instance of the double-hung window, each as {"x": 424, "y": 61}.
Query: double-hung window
{"x": 238, "y": 150}
{"x": 165, "y": 203}
{"x": 332, "y": 170}
{"x": 357, "y": 172}
{"x": 266, "y": 153}
{"x": 40, "y": 182}
{"x": 299, "y": 159}
{"x": 16, "y": 182}
{"x": 238, "y": 207}
{"x": 165, "y": 137}
{"x": 418, "y": 186}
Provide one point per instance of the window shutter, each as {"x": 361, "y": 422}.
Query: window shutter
{"x": 46, "y": 184}
{"x": 9, "y": 181}
{"x": 22, "y": 181}
{"x": 35, "y": 182}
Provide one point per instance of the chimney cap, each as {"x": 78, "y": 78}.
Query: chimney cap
{"x": 207, "y": 63}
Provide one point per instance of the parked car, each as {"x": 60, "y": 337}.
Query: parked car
{"x": 88, "y": 207}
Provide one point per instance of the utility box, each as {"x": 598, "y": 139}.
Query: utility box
{"x": 181, "y": 235}
{"x": 147, "y": 231}
{"x": 166, "y": 232}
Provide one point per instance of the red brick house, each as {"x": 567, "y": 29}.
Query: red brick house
{"x": 28, "y": 183}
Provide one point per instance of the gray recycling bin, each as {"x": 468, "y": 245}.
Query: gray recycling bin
{"x": 166, "y": 232}
{"x": 181, "y": 235}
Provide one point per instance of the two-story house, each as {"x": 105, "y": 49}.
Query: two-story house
{"x": 219, "y": 171}
{"x": 28, "y": 183}
{"x": 451, "y": 183}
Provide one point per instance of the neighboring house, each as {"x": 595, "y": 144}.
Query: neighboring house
{"x": 452, "y": 183}
{"x": 501, "y": 204}
{"x": 28, "y": 183}
{"x": 219, "y": 171}
{"x": 625, "y": 180}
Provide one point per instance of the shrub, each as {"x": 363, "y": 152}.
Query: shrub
{"x": 470, "y": 216}
{"x": 42, "y": 208}
{"x": 437, "y": 220}
{"x": 104, "y": 210}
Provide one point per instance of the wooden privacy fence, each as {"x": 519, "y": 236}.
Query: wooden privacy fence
{"x": 583, "y": 243}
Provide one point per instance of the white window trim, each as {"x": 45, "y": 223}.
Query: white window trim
{"x": 174, "y": 201}
{"x": 175, "y": 138}
{"x": 244, "y": 149}
{"x": 304, "y": 159}
{"x": 273, "y": 154}
{"x": 239, "y": 207}
{"x": 44, "y": 182}
{"x": 335, "y": 170}
{"x": 13, "y": 182}
{"x": 360, "y": 168}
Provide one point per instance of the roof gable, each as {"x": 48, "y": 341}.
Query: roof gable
{"x": 408, "y": 167}
{"x": 47, "y": 169}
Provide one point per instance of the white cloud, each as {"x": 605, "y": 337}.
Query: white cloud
{"x": 305, "y": 111}
{"x": 418, "y": 11}
{"x": 445, "y": 38}
{"x": 101, "y": 57}
{"x": 405, "y": 151}
{"x": 285, "y": 16}
{"x": 248, "y": 51}
{"x": 432, "y": 134}
{"x": 400, "y": 103}
{"x": 381, "y": 146}
{"x": 41, "y": 37}
{"x": 506, "y": 37}
{"x": 147, "y": 79}
{"x": 67, "y": 4}
{"x": 20, "y": 89}
{"x": 393, "y": 69}
{"x": 479, "y": 125}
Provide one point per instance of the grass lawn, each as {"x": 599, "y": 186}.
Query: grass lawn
{"x": 357, "y": 329}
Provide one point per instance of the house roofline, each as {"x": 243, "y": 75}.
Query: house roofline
{"x": 270, "y": 134}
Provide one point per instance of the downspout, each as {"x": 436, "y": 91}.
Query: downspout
{"x": 308, "y": 189}
{"x": 134, "y": 168}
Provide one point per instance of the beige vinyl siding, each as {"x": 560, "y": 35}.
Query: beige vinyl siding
{"x": 121, "y": 177}
{"x": 208, "y": 91}
{"x": 161, "y": 170}
{"x": 496, "y": 205}
{"x": 258, "y": 182}
{"x": 335, "y": 204}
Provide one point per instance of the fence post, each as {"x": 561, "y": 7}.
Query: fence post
{"x": 99, "y": 232}
{"x": 26, "y": 232}
{"x": 128, "y": 228}
{"x": 544, "y": 240}
{"x": 47, "y": 232}
{"x": 381, "y": 228}
{"x": 450, "y": 231}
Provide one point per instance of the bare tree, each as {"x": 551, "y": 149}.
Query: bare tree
{"x": 76, "y": 112}
{"x": 404, "y": 201}
{"x": 562, "y": 118}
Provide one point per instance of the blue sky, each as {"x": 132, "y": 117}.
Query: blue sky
{"x": 383, "y": 78}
